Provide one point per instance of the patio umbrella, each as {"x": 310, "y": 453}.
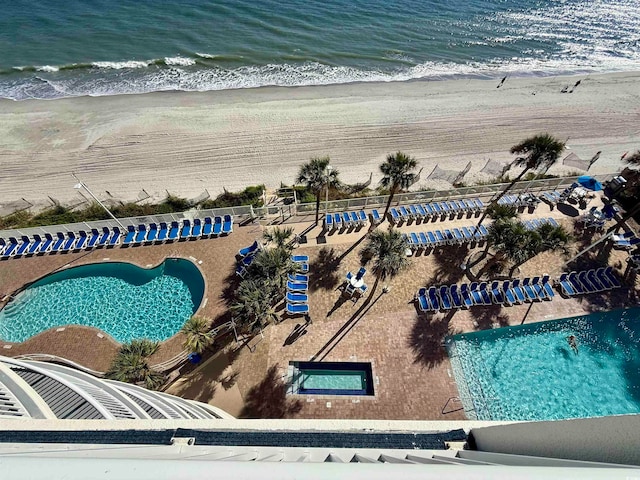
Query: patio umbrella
{"x": 590, "y": 183}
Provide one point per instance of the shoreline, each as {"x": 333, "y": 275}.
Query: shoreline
{"x": 185, "y": 142}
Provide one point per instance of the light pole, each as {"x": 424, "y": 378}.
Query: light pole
{"x": 82, "y": 185}
{"x": 326, "y": 198}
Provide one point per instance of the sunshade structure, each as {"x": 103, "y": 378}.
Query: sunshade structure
{"x": 589, "y": 183}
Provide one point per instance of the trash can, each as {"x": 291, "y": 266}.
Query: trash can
{"x": 194, "y": 358}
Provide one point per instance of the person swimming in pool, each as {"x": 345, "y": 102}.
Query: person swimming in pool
{"x": 573, "y": 343}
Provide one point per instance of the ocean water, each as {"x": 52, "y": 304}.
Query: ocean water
{"x": 109, "y": 47}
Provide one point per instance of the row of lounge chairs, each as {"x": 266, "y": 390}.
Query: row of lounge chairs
{"x": 538, "y": 222}
{"x": 344, "y": 220}
{"x": 110, "y": 237}
{"x": 438, "y": 238}
{"x": 436, "y": 210}
{"x": 482, "y": 294}
{"x": 521, "y": 200}
{"x": 588, "y": 281}
{"x": 297, "y": 287}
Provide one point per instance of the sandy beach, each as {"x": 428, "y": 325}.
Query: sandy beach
{"x": 188, "y": 142}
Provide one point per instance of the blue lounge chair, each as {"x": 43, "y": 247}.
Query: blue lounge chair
{"x": 243, "y": 252}
{"x": 207, "y": 230}
{"x": 467, "y": 234}
{"x": 453, "y": 208}
{"x": 420, "y": 211}
{"x": 465, "y": 293}
{"x": 508, "y": 294}
{"x": 546, "y": 286}
{"x": 69, "y": 242}
{"x": 414, "y": 212}
{"x": 141, "y": 235}
{"x": 604, "y": 280}
{"x": 82, "y": 240}
{"x": 529, "y": 291}
{"x": 217, "y": 226}
{"x": 248, "y": 260}
{"x": 479, "y": 204}
{"x": 362, "y": 217}
{"x": 328, "y": 222}
{"x": 433, "y": 241}
{"x": 575, "y": 282}
{"x": 475, "y": 294}
{"x": 375, "y": 217}
{"x": 539, "y": 289}
{"x": 432, "y": 295}
{"x": 57, "y": 245}
{"x": 423, "y": 301}
{"x": 456, "y": 299}
{"x": 595, "y": 281}
{"x": 297, "y": 308}
{"x": 297, "y": 297}
{"x": 10, "y": 249}
{"x": 163, "y": 232}
{"x": 414, "y": 240}
{"x": 298, "y": 278}
{"x": 186, "y": 229}
{"x": 404, "y": 212}
{"x": 458, "y": 236}
{"x": 297, "y": 286}
{"x": 497, "y": 294}
{"x": 444, "y": 209}
{"x": 152, "y": 234}
{"x": 445, "y": 298}
{"x": 437, "y": 210}
{"x": 428, "y": 211}
{"x": 589, "y": 287}
{"x": 486, "y": 297}
{"x": 46, "y": 244}
{"x": 131, "y": 234}
{"x": 449, "y": 239}
{"x": 361, "y": 273}
{"x": 395, "y": 215}
{"x": 196, "y": 231}
{"x": 469, "y": 205}
{"x": 3, "y": 245}
{"x": 115, "y": 237}
{"x": 300, "y": 258}
{"x": 93, "y": 239}
{"x": 566, "y": 287}
{"x": 440, "y": 240}
{"x": 104, "y": 237}
{"x": 241, "y": 271}
{"x": 354, "y": 218}
{"x": 519, "y": 291}
{"x": 304, "y": 267}
{"x": 346, "y": 219}
{"x": 612, "y": 277}
{"x": 337, "y": 221}
{"x": 424, "y": 241}
{"x": 227, "y": 225}
{"x": 24, "y": 245}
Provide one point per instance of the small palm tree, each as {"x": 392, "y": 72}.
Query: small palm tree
{"x": 279, "y": 236}
{"x": 254, "y": 304}
{"x": 397, "y": 175}
{"x": 388, "y": 251}
{"x": 317, "y": 176}
{"x": 534, "y": 153}
{"x": 131, "y": 365}
{"x": 274, "y": 265}
{"x": 199, "y": 336}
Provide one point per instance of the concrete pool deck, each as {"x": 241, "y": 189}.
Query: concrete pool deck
{"x": 413, "y": 374}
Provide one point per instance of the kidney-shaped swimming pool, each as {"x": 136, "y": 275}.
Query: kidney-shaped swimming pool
{"x": 121, "y": 299}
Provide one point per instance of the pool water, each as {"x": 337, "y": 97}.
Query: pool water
{"x": 123, "y": 300}
{"x": 530, "y": 372}
{"x": 331, "y": 378}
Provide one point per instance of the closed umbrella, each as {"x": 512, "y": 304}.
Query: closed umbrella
{"x": 590, "y": 183}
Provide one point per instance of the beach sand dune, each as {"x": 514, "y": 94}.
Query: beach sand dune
{"x": 186, "y": 142}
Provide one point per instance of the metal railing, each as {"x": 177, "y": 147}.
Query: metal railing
{"x": 272, "y": 213}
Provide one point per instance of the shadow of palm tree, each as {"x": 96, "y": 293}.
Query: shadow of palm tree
{"x": 488, "y": 316}
{"x": 325, "y": 270}
{"x": 448, "y": 260}
{"x": 427, "y": 339}
{"x": 268, "y": 399}
{"x": 231, "y": 283}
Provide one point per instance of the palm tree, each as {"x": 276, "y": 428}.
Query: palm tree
{"x": 317, "y": 176}
{"x": 397, "y": 175}
{"x": 254, "y": 304}
{"x": 539, "y": 152}
{"x": 279, "y": 236}
{"x": 388, "y": 251}
{"x": 198, "y": 334}
{"x": 131, "y": 365}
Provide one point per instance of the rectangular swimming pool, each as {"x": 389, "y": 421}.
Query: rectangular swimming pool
{"x": 331, "y": 378}
{"x": 530, "y": 372}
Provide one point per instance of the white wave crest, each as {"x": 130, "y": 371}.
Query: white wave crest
{"x": 181, "y": 61}
{"x": 206, "y": 55}
{"x": 120, "y": 65}
{"x": 47, "y": 68}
